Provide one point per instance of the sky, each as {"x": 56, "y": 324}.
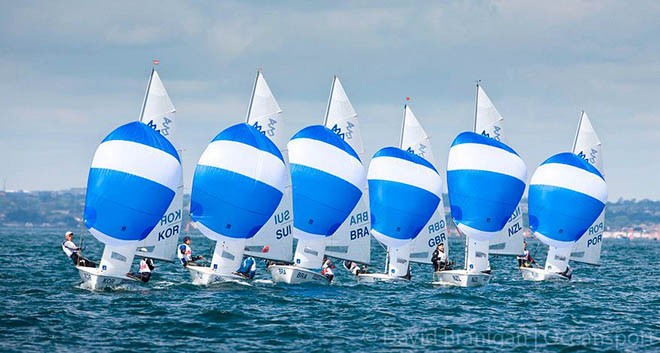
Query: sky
{"x": 71, "y": 72}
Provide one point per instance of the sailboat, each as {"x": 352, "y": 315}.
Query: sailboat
{"x": 485, "y": 180}
{"x": 238, "y": 183}
{"x": 419, "y": 249}
{"x": 489, "y": 122}
{"x": 132, "y": 181}
{"x": 566, "y": 196}
{"x": 158, "y": 112}
{"x": 405, "y": 191}
{"x": 274, "y": 241}
{"x": 327, "y": 179}
{"x": 588, "y": 146}
{"x": 351, "y": 241}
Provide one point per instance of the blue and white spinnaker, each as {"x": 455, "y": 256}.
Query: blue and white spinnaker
{"x": 327, "y": 180}
{"x": 486, "y": 180}
{"x": 566, "y": 195}
{"x": 404, "y": 192}
{"x": 134, "y": 176}
{"x": 238, "y": 183}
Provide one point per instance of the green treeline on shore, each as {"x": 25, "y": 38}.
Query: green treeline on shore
{"x": 65, "y": 207}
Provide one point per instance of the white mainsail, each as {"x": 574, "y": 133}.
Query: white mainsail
{"x": 351, "y": 241}
{"x": 158, "y": 112}
{"x": 415, "y": 140}
{"x": 489, "y": 122}
{"x": 274, "y": 240}
{"x": 588, "y": 146}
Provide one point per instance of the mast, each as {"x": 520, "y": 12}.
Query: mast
{"x": 146, "y": 94}
{"x": 577, "y": 133}
{"x": 254, "y": 90}
{"x": 403, "y": 125}
{"x": 476, "y": 108}
{"x": 327, "y": 109}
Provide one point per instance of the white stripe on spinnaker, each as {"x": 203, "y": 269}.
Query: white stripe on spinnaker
{"x": 553, "y": 242}
{"x": 476, "y": 234}
{"x": 140, "y": 160}
{"x": 474, "y": 156}
{"x": 571, "y": 178}
{"x": 327, "y": 158}
{"x": 240, "y": 158}
{"x": 406, "y": 172}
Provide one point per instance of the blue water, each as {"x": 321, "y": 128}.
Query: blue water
{"x": 610, "y": 308}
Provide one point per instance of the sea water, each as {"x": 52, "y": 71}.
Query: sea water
{"x": 614, "y": 307}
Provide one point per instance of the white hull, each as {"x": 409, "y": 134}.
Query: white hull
{"x": 93, "y": 280}
{"x": 540, "y": 274}
{"x": 205, "y": 276}
{"x": 290, "y": 274}
{"x": 460, "y": 278}
{"x": 379, "y": 277}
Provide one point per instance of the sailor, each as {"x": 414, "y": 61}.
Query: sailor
{"x": 248, "y": 268}
{"x": 144, "y": 273}
{"x": 185, "y": 253}
{"x": 73, "y": 252}
{"x": 352, "y": 267}
{"x": 525, "y": 260}
{"x": 568, "y": 273}
{"x": 326, "y": 270}
{"x": 439, "y": 258}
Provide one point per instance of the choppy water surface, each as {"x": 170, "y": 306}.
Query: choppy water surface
{"x": 615, "y": 307}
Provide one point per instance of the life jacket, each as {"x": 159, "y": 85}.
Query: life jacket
{"x": 185, "y": 253}
{"x": 144, "y": 266}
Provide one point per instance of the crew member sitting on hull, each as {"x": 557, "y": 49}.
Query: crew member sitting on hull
{"x": 326, "y": 270}
{"x": 440, "y": 259}
{"x": 568, "y": 273}
{"x": 144, "y": 273}
{"x": 248, "y": 268}
{"x": 73, "y": 252}
{"x": 185, "y": 253}
{"x": 353, "y": 267}
{"x": 525, "y": 260}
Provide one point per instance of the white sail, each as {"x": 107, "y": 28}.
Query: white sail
{"x": 158, "y": 112}
{"x": 489, "y": 122}
{"x": 274, "y": 241}
{"x": 477, "y": 255}
{"x": 415, "y": 140}
{"x": 351, "y": 241}
{"x": 588, "y": 146}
